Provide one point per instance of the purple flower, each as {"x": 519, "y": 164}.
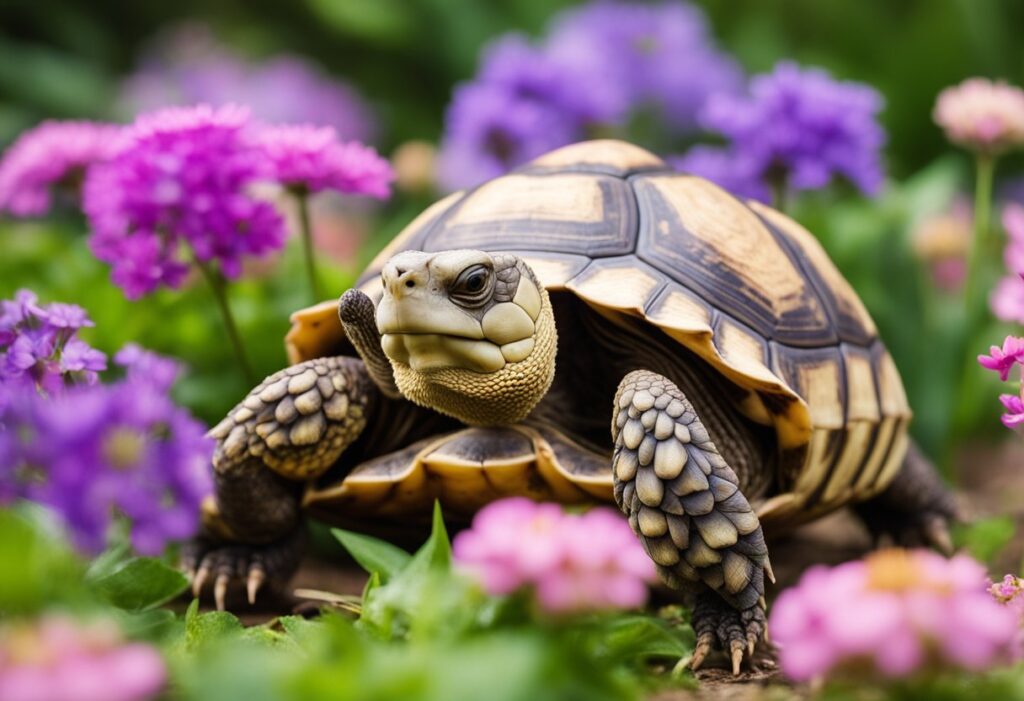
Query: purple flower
{"x": 311, "y": 159}
{"x": 571, "y": 562}
{"x": 637, "y": 56}
{"x": 180, "y": 182}
{"x": 125, "y": 449}
{"x": 51, "y": 155}
{"x": 38, "y": 344}
{"x": 1014, "y": 416}
{"x": 801, "y": 128}
{"x": 1003, "y": 359}
{"x": 59, "y": 659}
{"x": 188, "y": 66}
{"x": 518, "y": 113}
{"x": 738, "y": 176}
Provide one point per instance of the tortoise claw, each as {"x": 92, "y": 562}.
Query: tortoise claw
{"x": 200, "y": 580}
{"x": 220, "y": 590}
{"x": 936, "y": 533}
{"x": 737, "y": 657}
{"x": 254, "y": 582}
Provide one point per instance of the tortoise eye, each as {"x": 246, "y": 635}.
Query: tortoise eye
{"x": 473, "y": 286}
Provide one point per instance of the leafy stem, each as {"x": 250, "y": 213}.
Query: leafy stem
{"x": 306, "y": 229}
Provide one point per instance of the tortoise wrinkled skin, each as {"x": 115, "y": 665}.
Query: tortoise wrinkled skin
{"x": 488, "y": 350}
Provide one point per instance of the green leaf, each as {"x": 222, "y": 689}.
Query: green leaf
{"x": 108, "y": 561}
{"x": 140, "y": 583}
{"x": 436, "y": 553}
{"x": 201, "y": 628}
{"x": 373, "y": 555}
{"x": 641, "y": 637}
{"x": 986, "y": 538}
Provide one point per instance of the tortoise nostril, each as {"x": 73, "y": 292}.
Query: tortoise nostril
{"x": 410, "y": 283}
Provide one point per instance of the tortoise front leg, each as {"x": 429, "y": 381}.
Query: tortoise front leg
{"x": 291, "y": 428}
{"x": 684, "y": 503}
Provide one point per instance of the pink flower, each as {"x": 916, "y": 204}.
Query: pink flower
{"x": 982, "y": 116}
{"x": 58, "y": 659}
{"x": 1007, "y": 299}
{"x": 571, "y": 562}
{"x": 1003, "y": 359}
{"x": 312, "y": 159}
{"x": 942, "y": 241}
{"x": 52, "y": 154}
{"x": 895, "y": 612}
{"x": 1014, "y": 416}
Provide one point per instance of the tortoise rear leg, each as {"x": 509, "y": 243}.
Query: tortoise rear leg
{"x": 291, "y": 428}
{"x": 685, "y": 504}
{"x": 915, "y": 509}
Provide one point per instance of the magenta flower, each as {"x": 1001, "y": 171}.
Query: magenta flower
{"x": 51, "y": 155}
{"x": 58, "y": 659}
{"x": 982, "y": 116}
{"x": 571, "y": 562}
{"x": 895, "y": 613}
{"x": 1014, "y": 415}
{"x": 1002, "y": 360}
{"x": 310, "y": 159}
{"x": 124, "y": 449}
{"x": 179, "y": 189}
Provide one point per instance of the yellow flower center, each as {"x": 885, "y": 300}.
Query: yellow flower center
{"x": 123, "y": 448}
{"x": 895, "y": 570}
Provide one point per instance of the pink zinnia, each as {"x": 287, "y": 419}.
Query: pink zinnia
{"x": 571, "y": 562}
{"x": 48, "y": 156}
{"x": 982, "y": 116}
{"x": 1002, "y": 360}
{"x": 311, "y": 159}
{"x": 896, "y": 612}
{"x": 58, "y": 659}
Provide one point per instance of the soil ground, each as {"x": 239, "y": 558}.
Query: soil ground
{"x": 990, "y": 480}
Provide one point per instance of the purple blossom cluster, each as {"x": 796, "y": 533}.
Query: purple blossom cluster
{"x": 599, "y": 65}
{"x": 98, "y": 451}
{"x": 53, "y": 155}
{"x": 188, "y": 66}
{"x": 40, "y": 347}
{"x": 797, "y": 129}
{"x": 179, "y": 189}
{"x": 1003, "y": 359}
{"x": 310, "y": 159}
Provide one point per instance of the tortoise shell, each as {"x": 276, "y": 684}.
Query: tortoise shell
{"x": 744, "y": 287}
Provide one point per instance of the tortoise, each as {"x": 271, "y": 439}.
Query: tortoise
{"x": 488, "y": 349}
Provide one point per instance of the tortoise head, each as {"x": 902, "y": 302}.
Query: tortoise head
{"x": 470, "y": 334}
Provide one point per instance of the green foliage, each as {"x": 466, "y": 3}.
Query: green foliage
{"x": 140, "y": 583}
{"x": 985, "y": 538}
{"x": 376, "y": 556}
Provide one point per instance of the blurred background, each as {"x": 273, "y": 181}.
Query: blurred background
{"x": 384, "y": 72}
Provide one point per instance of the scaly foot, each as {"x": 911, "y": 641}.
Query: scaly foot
{"x": 719, "y": 625}
{"x": 224, "y": 566}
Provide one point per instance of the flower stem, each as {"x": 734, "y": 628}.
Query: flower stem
{"x": 974, "y": 294}
{"x": 779, "y": 192}
{"x": 302, "y": 199}
{"x": 218, "y": 285}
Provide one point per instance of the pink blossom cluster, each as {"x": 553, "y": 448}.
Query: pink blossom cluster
{"x": 571, "y": 562}
{"x": 1003, "y": 360}
{"x": 983, "y": 116}
{"x": 58, "y": 659}
{"x": 1007, "y": 300}
{"x": 893, "y": 614}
